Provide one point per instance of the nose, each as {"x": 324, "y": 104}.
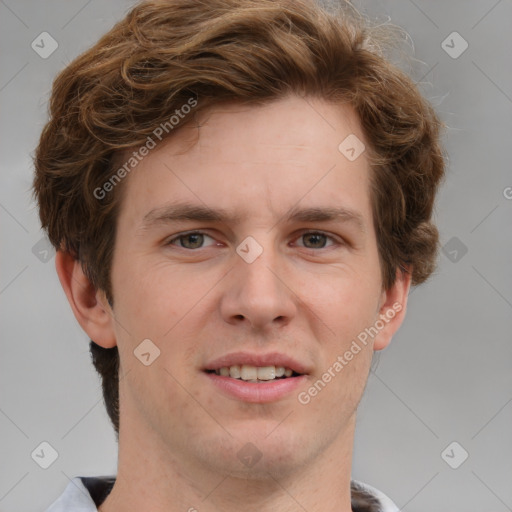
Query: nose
{"x": 259, "y": 293}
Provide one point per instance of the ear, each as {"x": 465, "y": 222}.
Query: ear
{"x": 392, "y": 309}
{"x": 89, "y": 305}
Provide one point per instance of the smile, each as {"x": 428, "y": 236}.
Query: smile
{"x": 253, "y": 374}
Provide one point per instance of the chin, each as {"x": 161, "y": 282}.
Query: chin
{"x": 262, "y": 451}
{"x": 268, "y": 468}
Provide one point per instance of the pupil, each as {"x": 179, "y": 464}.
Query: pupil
{"x": 317, "y": 235}
{"x": 192, "y": 236}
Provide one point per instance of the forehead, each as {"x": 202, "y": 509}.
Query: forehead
{"x": 255, "y": 161}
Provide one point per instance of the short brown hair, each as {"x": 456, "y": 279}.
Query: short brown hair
{"x": 162, "y": 53}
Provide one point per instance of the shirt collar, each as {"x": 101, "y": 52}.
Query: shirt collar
{"x": 85, "y": 494}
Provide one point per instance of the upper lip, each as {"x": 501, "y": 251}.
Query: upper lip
{"x": 252, "y": 359}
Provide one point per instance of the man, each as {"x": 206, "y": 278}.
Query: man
{"x": 240, "y": 193}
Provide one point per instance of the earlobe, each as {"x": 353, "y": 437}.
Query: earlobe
{"x": 88, "y": 304}
{"x": 392, "y": 309}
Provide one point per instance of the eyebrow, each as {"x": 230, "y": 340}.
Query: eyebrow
{"x": 176, "y": 212}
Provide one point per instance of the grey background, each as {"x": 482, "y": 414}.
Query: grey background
{"x": 447, "y": 374}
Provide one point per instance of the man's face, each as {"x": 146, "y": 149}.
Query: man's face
{"x": 211, "y": 300}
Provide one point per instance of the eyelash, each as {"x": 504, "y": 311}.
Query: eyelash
{"x": 182, "y": 235}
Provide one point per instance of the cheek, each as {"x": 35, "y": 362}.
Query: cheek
{"x": 347, "y": 300}
{"x": 160, "y": 304}
{"x": 149, "y": 301}
{"x": 347, "y": 306}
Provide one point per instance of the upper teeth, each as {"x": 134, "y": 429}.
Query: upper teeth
{"x": 247, "y": 372}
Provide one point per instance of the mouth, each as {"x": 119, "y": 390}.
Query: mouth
{"x": 256, "y": 378}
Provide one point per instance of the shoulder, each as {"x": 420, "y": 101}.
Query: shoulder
{"x": 366, "y": 498}
{"x": 83, "y": 494}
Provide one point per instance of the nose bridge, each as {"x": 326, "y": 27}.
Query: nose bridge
{"x": 256, "y": 292}
{"x": 255, "y": 266}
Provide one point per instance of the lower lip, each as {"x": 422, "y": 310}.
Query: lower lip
{"x": 256, "y": 392}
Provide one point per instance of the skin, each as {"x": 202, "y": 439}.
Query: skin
{"x": 304, "y": 296}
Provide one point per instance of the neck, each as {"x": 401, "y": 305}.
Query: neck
{"x": 150, "y": 478}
